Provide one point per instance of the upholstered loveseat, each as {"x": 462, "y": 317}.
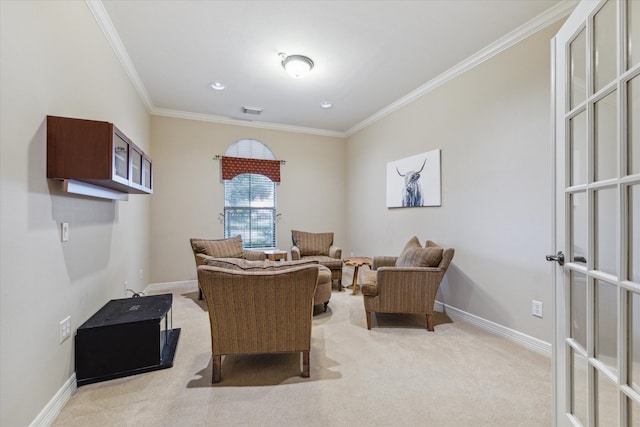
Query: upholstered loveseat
{"x": 408, "y": 283}
{"x": 259, "y": 311}
{"x": 318, "y": 247}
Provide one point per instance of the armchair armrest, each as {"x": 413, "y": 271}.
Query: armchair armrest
{"x": 202, "y": 258}
{"x": 414, "y": 283}
{"x": 295, "y": 253}
{"x": 383, "y": 261}
{"x": 335, "y": 252}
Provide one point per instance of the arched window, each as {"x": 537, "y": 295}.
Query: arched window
{"x": 250, "y": 195}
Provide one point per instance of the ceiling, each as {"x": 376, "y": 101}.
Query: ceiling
{"x": 370, "y": 56}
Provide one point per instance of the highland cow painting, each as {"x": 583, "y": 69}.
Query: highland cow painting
{"x": 414, "y": 181}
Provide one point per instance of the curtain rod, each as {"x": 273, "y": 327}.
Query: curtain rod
{"x": 218, "y": 157}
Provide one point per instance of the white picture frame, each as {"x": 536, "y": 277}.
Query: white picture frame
{"x": 414, "y": 181}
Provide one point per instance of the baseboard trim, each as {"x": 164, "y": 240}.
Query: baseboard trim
{"x": 168, "y": 286}
{"x": 47, "y": 416}
{"x": 527, "y": 341}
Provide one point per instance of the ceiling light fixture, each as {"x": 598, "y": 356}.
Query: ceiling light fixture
{"x": 296, "y": 65}
{"x": 326, "y": 104}
{"x": 217, "y": 86}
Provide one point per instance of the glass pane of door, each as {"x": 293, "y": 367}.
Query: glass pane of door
{"x": 579, "y": 242}
{"x": 634, "y": 233}
{"x": 607, "y": 401}
{"x": 606, "y": 137}
{"x": 634, "y": 342}
{"x": 578, "y": 70}
{"x": 634, "y": 413}
{"x": 578, "y": 128}
{"x": 633, "y": 130}
{"x": 579, "y": 387}
{"x": 605, "y": 234}
{"x": 604, "y": 29}
{"x": 633, "y": 32}
{"x": 607, "y": 325}
{"x": 578, "y": 309}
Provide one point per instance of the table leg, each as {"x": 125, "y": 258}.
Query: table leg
{"x": 355, "y": 279}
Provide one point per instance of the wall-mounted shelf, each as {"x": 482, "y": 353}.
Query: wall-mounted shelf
{"x": 96, "y": 153}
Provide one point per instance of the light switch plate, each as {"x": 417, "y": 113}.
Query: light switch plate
{"x": 65, "y": 231}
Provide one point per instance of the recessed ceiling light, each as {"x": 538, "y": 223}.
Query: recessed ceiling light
{"x": 217, "y": 86}
{"x": 326, "y": 104}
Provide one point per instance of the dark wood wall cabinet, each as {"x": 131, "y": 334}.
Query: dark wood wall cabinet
{"x": 97, "y": 153}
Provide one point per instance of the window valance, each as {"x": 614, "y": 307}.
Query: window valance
{"x": 233, "y": 166}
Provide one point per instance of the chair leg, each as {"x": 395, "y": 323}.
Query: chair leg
{"x": 305, "y": 364}
{"x": 326, "y": 303}
{"x": 429, "y": 322}
{"x": 217, "y": 367}
{"x": 199, "y": 293}
{"x": 368, "y": 319}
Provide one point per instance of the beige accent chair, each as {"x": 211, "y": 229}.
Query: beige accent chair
{"x": 279, "y": 323}
{"x": 408, "y": 283}
{"x": 318, "y": 247}
{"x": 221, "y": 248}
{"x": 323, "y": 288}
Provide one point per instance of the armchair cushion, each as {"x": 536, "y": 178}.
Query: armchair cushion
{"x": 420, "y": 257}
{"x": 243, "y": 264}
{"x": 222, "y": 248}
{"x": 312, "y": 243}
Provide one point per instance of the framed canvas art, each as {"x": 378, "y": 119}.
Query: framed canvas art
{"x": 414, "y": 181}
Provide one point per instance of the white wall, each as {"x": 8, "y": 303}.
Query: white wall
{"x": 188, "y": 194}
{"x": 492, "y": 125}
{"x": 55, "y": 60}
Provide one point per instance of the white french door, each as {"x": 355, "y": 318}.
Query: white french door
{"x": 596, "y": 85}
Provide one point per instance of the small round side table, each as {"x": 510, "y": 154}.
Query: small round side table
{"x": 356, "y": 262}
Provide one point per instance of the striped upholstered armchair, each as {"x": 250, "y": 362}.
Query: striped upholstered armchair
{"x": 240, "y": 325}
{"x": 222, "y": 248}
{"x": 408, "y": 283}
{"x": 318, "y": 247}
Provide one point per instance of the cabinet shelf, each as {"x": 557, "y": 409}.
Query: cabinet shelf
{"x": 96, "y": 153}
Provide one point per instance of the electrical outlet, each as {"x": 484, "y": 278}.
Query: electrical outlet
{"x": 64, "y": 227}
{"x": 65, "y": 329}
{"x": 536, "y": 308}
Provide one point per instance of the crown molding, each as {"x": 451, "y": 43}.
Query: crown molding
{"x": 104, "y": 21}
{"x": 246, "y": 123}
{"x": 541, "y": 21}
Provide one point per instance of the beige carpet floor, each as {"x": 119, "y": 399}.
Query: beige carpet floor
{"x": 397, "y": 374}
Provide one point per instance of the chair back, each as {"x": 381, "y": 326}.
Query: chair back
{"x": 259, "y": 311}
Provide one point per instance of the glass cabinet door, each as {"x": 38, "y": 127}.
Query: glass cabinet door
{"x": 146, "y": 174}
{"x": 136, "y": 168}
{"x": 120, "y": 159}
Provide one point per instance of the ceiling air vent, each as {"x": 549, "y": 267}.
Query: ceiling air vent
{"x": 252, "y": 110}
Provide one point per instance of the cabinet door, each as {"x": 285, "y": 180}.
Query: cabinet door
{"x": 147, "y": 176}
{"x": 136, "y": 168}
{"x": 120, "y": 159}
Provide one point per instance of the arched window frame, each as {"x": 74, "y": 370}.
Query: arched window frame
{"x": 250, "y": 175}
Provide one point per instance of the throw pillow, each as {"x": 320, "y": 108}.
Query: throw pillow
{"x": 420, "y": 257}
{"x": 222, "y": 248}
{"x": 312, "y": 243}
{"x": 413, "y": 242}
